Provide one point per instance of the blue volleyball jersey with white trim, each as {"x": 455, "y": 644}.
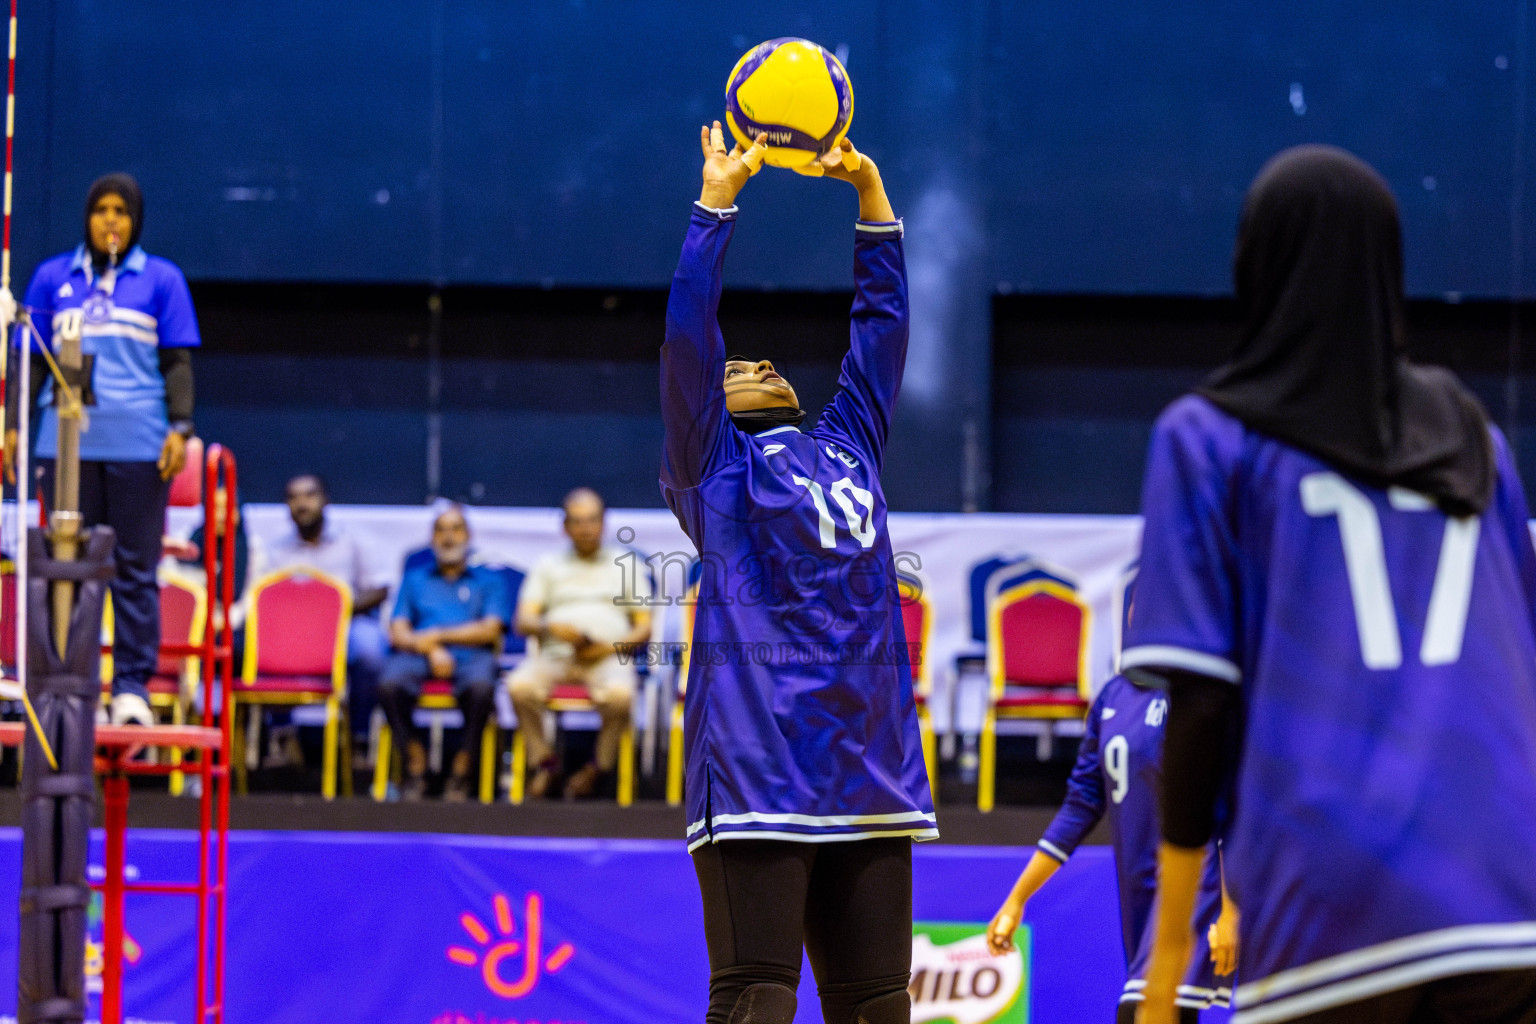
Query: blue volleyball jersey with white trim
{"x": 1118, "y": 774}
{"x": 1385, "y": 824}
{"x": 799, "y": 719}
{"x": 127, "y": 318}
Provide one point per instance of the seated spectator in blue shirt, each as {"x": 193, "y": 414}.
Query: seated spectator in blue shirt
{"x": 447, "y": 625}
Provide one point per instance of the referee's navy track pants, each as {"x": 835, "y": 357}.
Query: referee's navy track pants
{"x": 130, "y": 497}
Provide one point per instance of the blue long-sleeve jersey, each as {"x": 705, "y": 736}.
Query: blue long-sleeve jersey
{"x": 1119, "y": 772}
{"x": 799, "y": 722}
{"x": 1385, "y": 655}
{"x": 126, "y": 318}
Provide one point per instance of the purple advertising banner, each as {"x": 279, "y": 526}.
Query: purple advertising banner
{"x": 376, "y": 928}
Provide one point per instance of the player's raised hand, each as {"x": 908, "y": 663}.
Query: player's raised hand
{"x": 843, "y": 162}
{"x": 1000, "y": 932}
{"x": 726, "y": 171}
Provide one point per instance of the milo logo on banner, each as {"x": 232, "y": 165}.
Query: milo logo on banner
{"x": 955, "y": 979}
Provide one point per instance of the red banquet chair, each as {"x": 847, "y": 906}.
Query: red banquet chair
{"x": 187, "y": 486}
{"x": 437, "y": 698}
{"x": 183, "y": 617}
{"x": 295, "y": 654}
{"x": 565, "y": 697}
{"x": 917, "y": 620}
{"x": 1037, "y": 660}
{"x": 8, "y": 617}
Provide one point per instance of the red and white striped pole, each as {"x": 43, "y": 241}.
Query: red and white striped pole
{"x": 10, "y": 137}
{"x": 8, "y": 316}
{"x": 7, "y": 303}
{"x": 8, "y": 313}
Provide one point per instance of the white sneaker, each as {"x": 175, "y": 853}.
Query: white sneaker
{"x": 131, "y": 709}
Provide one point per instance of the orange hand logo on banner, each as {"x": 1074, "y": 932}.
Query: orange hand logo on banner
{"x": 528, "y": 952}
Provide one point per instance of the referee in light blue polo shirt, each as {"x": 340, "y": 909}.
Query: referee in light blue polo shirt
{"x": 137, "y": 333}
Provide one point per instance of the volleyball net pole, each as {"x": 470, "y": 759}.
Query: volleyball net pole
{"x": 60, "y": 591}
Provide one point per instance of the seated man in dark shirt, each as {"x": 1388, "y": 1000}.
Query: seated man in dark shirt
{"x": 447, "y": 625}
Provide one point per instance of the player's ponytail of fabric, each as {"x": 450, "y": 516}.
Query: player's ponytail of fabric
{"x": 1321, "y": 364}
{"x": 120, "y": 184}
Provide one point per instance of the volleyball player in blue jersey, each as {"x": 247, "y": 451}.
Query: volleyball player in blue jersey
{"x": 805, "y": 776}
{"x": 1336, "y": 554}
{"x": 1119, "y": 773}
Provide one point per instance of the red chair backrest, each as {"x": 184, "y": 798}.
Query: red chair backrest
{"x": 8, "y": 618}
{"x": 1042, "y": 636}
{"x": 913, "y": 616}
{"x": 178, "y": 621}
{"x": 914, "y": 622}
{"x": 187, "y": 486}
{"x": 293, "y": 626}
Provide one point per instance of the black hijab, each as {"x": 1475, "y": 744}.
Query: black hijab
{"x": 120, "y": 184}
{"x": 1321, "y": 365}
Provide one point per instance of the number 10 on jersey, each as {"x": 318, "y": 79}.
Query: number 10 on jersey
{"x": 861, "y": 522}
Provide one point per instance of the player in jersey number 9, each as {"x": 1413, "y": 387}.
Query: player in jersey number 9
{"x": 1118, "y": 770}
{"x": 805, "y": 781}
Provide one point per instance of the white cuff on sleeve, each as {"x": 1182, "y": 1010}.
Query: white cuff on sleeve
{"x": 879, "y": 227}
{"x": 1165, "y": 656}
{"x": 729, "y": 213}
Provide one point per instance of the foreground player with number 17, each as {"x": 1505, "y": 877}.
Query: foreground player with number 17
{"x": 805, "y": 777}
{"x": 1336, "y": 554}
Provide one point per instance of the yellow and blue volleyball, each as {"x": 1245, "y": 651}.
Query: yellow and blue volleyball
{"x": 795, "y": 92}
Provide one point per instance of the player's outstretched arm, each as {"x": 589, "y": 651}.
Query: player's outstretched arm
{"x": 694, "y": 418}
{"x": 1079, "y": 813}
{"x": 1006, "y": 921}
{"x": 1200, "y": 713}
{"x": 861, "y": 412}
{"x": 1178, "y": 883}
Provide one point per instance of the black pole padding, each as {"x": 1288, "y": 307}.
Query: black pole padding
{"x": 57, "y": 805}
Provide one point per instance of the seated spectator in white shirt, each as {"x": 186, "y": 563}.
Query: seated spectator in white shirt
{"x": 575, "y": 603}
{"x": 316, "y": 543}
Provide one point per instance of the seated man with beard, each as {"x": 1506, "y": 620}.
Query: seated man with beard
{"x": 447, "y": 624}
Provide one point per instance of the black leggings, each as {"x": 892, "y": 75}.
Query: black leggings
{"x": 1125, "y": 1013}
{"x": 1495, "y": 997}
{"x": 848, "y": 904}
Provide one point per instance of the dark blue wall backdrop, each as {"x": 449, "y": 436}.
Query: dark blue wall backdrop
{"x": 1096, "y": 147}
